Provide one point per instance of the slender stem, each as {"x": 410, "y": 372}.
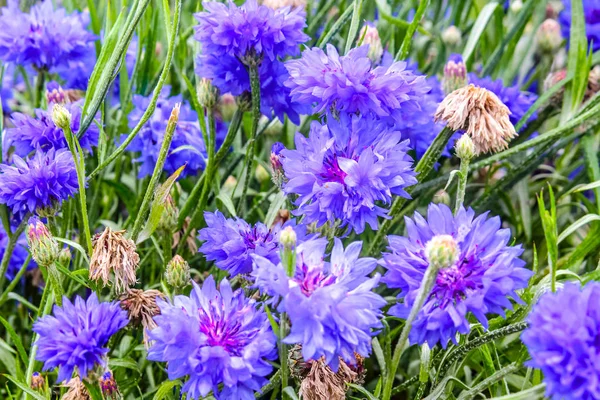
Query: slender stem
{"x": 251, "y": 149}
{"x": 158, "y": 169}
{"x": 44, "y": 309}
{"x": 210, "y": 167}
{"x": 424, "y": 290}
{"x": 16, "y": 280}
{"x": 270, "y": 385}
{"x": 8, "y": 251}
{"x": 39, "y": 87}
{"x": 164, "y": 75}
{"x": 462, "y": 183}
{"x": 283, "y": 351}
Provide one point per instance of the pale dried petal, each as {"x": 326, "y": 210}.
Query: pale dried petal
{"x": 77, "y": 390}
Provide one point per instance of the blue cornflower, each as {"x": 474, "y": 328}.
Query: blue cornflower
{"x": 214, "y": 337}
{"x": 484, "y": 277}
{"x": 331, "y": 306}
{"x": 30, "y": 133}
{"x": 347, "y": 170}
{"x": 562, "y": 339}
{"x": 517, "y": 101}
{"x": 591, "y": 12}
{"x": 19, "y": 254}
{"x": 231, "y": 242}
{"x": 187, "y": 147}
{"x": 349, "y": 84}
{"x": 45, "y": 37}
{"x": 41, "y": 182}
{"x": 75, "y": 335}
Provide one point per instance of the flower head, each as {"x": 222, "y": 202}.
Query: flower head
{"x": 73, "y": 338}
{"x": 591, "y": 11}
{"x": 562, "y": 339}
{"x": 332, "y": 310}
{"x": 214, "y": 337}
{"x": 347, "y": 170}
{"x": 114, "y": 260}
{"x": 481, "y": 114}
{"x": 485, "y": 274}
{"x": 45, "y": 37}
{"x": 41, "y": 182}
{"x": 41, "y": 132}
{"x": 348, "y": 84}
{"x": 187, "y": 147}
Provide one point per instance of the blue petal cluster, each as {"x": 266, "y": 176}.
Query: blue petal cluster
{"x": 331, "y": 306}
{"x": 591, "y": 12}
{"x": 232, "y": 36}
{"x": 187, "y": 147}
{"x": 517, "y": 101}
{"x": 73, "y": 338}
{"x": 45, "y": 37}
{"x": 214, "y": 337}
{"x": 18, "y": 256}
{"x": 29, "y": 133}
{"x": 562, "y": 339}
{"x": 41, "y": 182}
{"x": 482, "y": 281}
{"x": 231, "y": 242}
{"x": 347, "y": 170}
{"x": 348, "y": 84}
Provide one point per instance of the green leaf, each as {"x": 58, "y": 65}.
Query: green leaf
{"x": 289, "y": 393}
{"x": 425, "y": 363}
{"x": 276, "y": 205}
{"x": 481, "y": 23}
{"x": 126, "y": 363}
{"x": 586, "y": 219}
{"x": 339, "y": 24}
{"x": 74, "y": 245}
{"x": 363, "y": 391}
{"x": 24, "y": 387}
{"x": 274, "y": 324}
{"x": 408, "y": 38}
{"x": 165, "y": 389}
{"x": 93, "y": 389}
{"x": 542, "y": 100}
{"x": 378, "y": 351}
{"x": 16, "y": 340}
{"x": 225, "y": 198}
{"x": 353, "y": 25}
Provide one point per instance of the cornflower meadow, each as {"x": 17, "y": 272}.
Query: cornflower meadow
{"x": 300, "y": 199}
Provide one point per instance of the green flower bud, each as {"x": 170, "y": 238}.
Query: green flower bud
{"x": 441, "y": 251}
{"x": 168, "y": 219}
{"x": 64, "y": 257}
{"x": 370, "y": 35}
{"x": 261, "y": 174}
{"x": 61, "y": 116}
{"x": 178, "y": 272}
{"x": 452, "y": 36}
{"x": 43, "y": 247}
{"x": 288, "y": 238}
{"x": 549, "y": 37}
{"x": 465, "y": 148}
{"x": 208, "y": 95}
{"x": 441, "y": 197}
{"x": 227, "y": 107}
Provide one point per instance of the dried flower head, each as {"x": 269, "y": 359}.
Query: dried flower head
{"x": 76, "y": 391}
{"x": 141, "y": 306}
{"x": 116, "y": 255}
{"x": 481, "y": 114}
{"x": 37, "y": 381}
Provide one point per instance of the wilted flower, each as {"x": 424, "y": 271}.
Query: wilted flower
{"x": 485, "y": 274}
{"x": 370, "y": 36}
{"x": 76, "y": 390}
{"x": 321, "y": 382}
{"x": 343, "y": 168}
{"x": 41, "y": 132}
{"x": 45, "y": 37}
{"x": 214, "y": 337}
{"x": 348, "y": 84}
{"x": 591, "y": 11}
{"x": 73, "y": 338}
{"x": 40, "y": 183}
{"x": 114, "y": 260}
{"x": 44, "y": 248}
{"x": 37, "y": 381}
{"x": 141, "y": 306}
{"x": 562, "y": 339}
{"x": 332, "y": 310}
{"x": 481, "y": 114}
{"x": 177, "y": 273}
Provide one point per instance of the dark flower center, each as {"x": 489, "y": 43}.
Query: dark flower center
{"x": 333, "y": 172}
{"x": 310, "y": 279}
{"x": 254, "y": 237}
{"x": 453, "y": 283}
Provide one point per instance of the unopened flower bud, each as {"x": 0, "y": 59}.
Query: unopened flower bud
{"x": 174, "y": 117}
{"x": 441, "y": 197}
{"x": 455, "y": 74}
{"x": 244, "y": 101}
{"x": 261, "y": 174}
{"x": 441, "y": 251}
{"x": 64, "y": 257}
{"x": 55, "y": 93}
{"x": 207, "y": 94}
{"x": 276, "y": 4}
{"x": 44, "y": 248}
{"x": 465, "y": 148}
{"x": 61, "y": 116}
{"x": 109, "y": 387}
{"x": 288, "y": 238}
{"x": 549, "y": 37}
{"x": 276, "y": 166}
{"x": 37, "y": 382}
{"x": 370, "y": 35}
{"x": 178, "y": 272}
{"x": 452, "y": 36}
{"x": 516, "y": 6}
{"x": 227, "y": 107}
{"x": 230, "y": 183}
{"x": 169, "y": 217}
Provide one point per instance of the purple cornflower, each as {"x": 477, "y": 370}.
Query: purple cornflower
{"x": 30, "y": 133}
{"x": 214, "y": 337}
{"x": 484, "y": 276}
{"x": 345, "y": 168}
{"x": 187, "y": 147}
{"x": 18, "y": 256}
{"x": 591, "y": 12}
{"x": 349, "y": 84}
{"x": 562, "y": 339}
{"x": 231, "y": 242}
{"x": 75, "y": 335}
{"x": 41, "y": 182}
{"x": 331, "y": 307}
{"x": 517, "y": 101}
{"x": 45, "y": 37}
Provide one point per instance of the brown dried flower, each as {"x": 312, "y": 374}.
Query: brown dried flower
{"x": 114, "y": 255}
{"x": 141, "y": 306}
{"x": 76, "y": 391}
{"x": 481, "y": 114}
{"x": 190, "y": 241}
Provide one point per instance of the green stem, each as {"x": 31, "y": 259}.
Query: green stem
{"x": 462, "y": 183}
{"x": 424, "y": 290}
{"x": 408, "y": 38}
{"x": 164, "y": 75}
{"x": 16, "y": 280}
{"x": 8, "y": 251}
{"x": 45, "y": 307}
{"x": 158, "y": 169}
{"x": 283, "y": 351}
{"x": 210, "y": 167}
{"x": 251, "y": 149}
{"x": 270, "y": 385}
{"x": 39, "y": 87}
